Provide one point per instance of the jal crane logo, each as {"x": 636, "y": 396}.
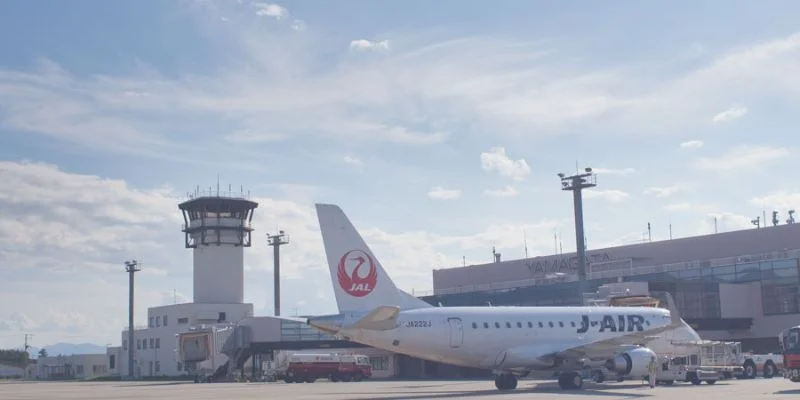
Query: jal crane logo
{"x": 352, "y": 277}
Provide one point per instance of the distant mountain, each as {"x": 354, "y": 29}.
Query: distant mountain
{"x": 66, "y": 349}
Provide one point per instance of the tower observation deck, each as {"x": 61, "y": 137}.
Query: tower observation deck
{"x": 217, "y": 229}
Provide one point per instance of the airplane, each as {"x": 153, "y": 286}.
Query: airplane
{"x": 512, "y": 341}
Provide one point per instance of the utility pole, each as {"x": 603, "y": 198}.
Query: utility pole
{"x": 26, "y": 347}
{"x": 276, "y": 241}
{"x": 131, "y": 267}
{"x": 576, "y": 183}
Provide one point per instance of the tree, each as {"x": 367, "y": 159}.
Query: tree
{"x": 42, "y": 353}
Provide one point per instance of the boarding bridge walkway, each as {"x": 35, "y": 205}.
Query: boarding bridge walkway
{"x": 259, "y": 336}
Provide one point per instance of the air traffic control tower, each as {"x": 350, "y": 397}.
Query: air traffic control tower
{"x": 217, "y": 229}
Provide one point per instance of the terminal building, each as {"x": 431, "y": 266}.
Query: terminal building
{"x": 741, "y": 285}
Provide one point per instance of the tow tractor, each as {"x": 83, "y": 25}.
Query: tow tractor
{"x": 790, "y": 347}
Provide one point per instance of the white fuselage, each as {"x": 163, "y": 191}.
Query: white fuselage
{"x": 503, "y": 337}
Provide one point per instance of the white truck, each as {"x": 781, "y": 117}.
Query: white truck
{"x": 728, "y": 357}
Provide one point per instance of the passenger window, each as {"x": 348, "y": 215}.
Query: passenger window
{"x": 550, "y": 323}
{"x": 496, "y": 324}
{"x": 474, "y": 325}
{"x": 541, "y": 325}
{"x": 486, "y": 325}
{"x": 508, "y": 324}
{"x": 572, "y": 323}
{"x": 560, "y": 324}
{"x": 530, "y": 324}
{"x": 519, "y": 324}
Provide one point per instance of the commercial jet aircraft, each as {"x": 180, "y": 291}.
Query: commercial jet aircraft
{"x": 510, "y": 341}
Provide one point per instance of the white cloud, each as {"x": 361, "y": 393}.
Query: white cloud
{"x": 729, "y": 115}
{"x": 692, "y": 144}
{"x": 508, "y": 191}
{"x": 724, "y": 222}
{"x": 363, "y": 44}
{"x": 742, "y": 157}
{"x": 780, "y": 200}
{"x": 611, "y": 195}
{"x": 613, "y": 171}
{"x": 353, "y": 161}
{"x": 440, "y": 193}
{"x": 422, "y": 93}
{"x": 270, "y": 10}
{"x": 664, "y": 191}
{"x": 497, "y": 160}
{"x": 692, "y": 207}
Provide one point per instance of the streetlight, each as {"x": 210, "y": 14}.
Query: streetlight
{"x": 131, "y": 267}
{"x": 276, "y": 241}
{"x": 576, "y": 183}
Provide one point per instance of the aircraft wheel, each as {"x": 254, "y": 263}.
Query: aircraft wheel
{"x": 570, "y": 380}
{"x": 749, "y": 369}
{"x": 598, "y": 376}
{"x": 505, "y": 382}
{"x": 769, "y": 370}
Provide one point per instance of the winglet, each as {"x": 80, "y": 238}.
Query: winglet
{"x": 674, "y": 314}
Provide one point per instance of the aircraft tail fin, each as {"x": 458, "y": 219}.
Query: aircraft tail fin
{"x": 359, "y": 281}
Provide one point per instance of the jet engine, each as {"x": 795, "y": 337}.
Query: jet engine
{"x": 632, "y": 362}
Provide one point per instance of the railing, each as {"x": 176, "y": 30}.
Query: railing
{"x": 135, "y": 328}
{"x": 214, "y": 225}
{"x": 618, "y": 272}
{"x": 228, "y": 194}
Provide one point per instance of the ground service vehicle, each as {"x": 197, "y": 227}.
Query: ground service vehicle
{"x": 685, "y": 369}
{"x": 728, "y": 356}
{"x": 336, "y": 367}
{"x": 790, "y": 346}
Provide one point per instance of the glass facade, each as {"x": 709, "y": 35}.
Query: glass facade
{"x": 295, "y": 332}
{"x": 696, "y": 291}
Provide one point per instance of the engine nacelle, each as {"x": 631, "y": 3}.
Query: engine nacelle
{"x": 632, "y": 362}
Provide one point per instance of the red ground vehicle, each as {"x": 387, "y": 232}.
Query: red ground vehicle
{"x": 336, "y": 367}
{"x": 790, "y": 345}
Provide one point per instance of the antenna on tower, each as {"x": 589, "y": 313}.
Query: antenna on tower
{"x": 525, "y": 241}
{"x": 555, "y": 242}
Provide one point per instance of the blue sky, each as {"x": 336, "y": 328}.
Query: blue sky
{"x": 438, "y": 128}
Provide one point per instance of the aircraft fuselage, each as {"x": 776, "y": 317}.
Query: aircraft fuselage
{"x": 502, "y": 338}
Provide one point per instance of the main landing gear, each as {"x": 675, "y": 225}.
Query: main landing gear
{"x": 505, "y": 381}
{"x": 570, "y": 380}
{"x": 566, "y": 381}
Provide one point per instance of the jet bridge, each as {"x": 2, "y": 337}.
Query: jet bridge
{"x": 253, "y": 340}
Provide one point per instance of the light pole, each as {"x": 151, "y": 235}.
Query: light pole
{"x": 576, "y": 183}
{"x": 276, "y": 241}
{"x": 131, "y": 267}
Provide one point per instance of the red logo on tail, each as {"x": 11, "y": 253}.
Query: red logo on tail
{"x": 352, "y": 282}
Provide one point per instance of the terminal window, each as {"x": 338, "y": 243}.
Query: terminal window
{"x": 780, "y": 287}
{"x": 380, "y": 363}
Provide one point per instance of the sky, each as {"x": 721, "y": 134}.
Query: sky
{"x": 439, "y": 128}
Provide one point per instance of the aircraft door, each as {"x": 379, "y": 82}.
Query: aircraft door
{"x": 456, "y": 332}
